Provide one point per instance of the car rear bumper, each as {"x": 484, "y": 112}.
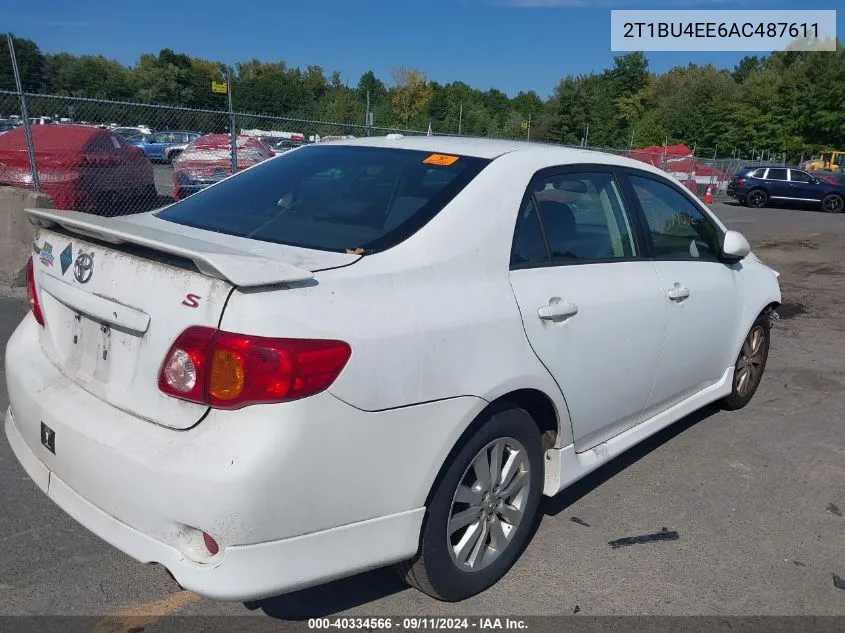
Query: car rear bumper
{"x": 295, "y": 494}
{"x": 247, "y": 572}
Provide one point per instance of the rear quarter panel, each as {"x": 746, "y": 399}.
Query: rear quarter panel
{"x": 433, "y": 318}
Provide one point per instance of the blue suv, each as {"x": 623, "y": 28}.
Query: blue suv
{"x": 757, "y": 185}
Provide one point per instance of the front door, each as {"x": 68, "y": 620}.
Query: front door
{"x": 592, "y": 308}
{"x": 803, "y": 187}
{"x": 701, "y": 293}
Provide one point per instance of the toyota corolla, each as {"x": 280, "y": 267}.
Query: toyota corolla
{"x": 373, "y": 352}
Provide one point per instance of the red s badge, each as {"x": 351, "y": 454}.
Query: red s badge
{"x": 192, "y": 301}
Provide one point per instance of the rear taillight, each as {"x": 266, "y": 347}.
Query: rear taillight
{"x": 739, "y": 182}
{"x": 32, "y": 293}
{"x": 229, "y": 371}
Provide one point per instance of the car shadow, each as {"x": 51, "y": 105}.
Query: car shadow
{"x": 333, "y": 597}
{"x": 347, "y": 593}
{"x": 584, "y": 486}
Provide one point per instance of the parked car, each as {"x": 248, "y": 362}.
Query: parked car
{"x": 165, "y": 146}
{"x": 81, "y": 168}
{"x": 282, "y": 145}
{"x": 131, "y": 133}
{"x": 208, "y": 160}
{"x": 375, "y": 351}
{"x": 837, "y": 178}
{"x": 757, "y": 185}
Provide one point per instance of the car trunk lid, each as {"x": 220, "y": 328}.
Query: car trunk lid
{"x": 115, "y": 295}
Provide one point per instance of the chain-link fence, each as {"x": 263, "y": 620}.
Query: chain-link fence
{"x": 115, "y": 158}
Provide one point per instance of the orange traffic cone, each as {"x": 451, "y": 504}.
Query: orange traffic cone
{"x": 708, "y": 197}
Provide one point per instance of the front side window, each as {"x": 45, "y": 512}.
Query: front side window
{"x": 799, "y": 176}
{"x": 575, "y": 217}
{"x": 330, "y": 197}
{"x": 678, "y": 229}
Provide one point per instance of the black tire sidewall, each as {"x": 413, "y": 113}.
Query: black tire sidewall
{"x": 752, "y": 194}
{"x": 450, "y": 582}
{"x": 833, "y": 195}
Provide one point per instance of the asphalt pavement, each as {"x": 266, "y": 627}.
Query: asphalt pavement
{"x": 752, "y": 494}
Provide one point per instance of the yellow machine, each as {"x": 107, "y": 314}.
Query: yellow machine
{"x": 827, "y": 161}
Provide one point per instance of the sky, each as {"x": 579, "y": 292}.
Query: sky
{"x": 512, "y": 45}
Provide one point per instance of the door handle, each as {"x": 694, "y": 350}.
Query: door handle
{"x": 678, "y": 293}
{"x": 557, "y": 310}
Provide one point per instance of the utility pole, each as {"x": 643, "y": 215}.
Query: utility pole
{"x": 367, "y": 115}
{"x": 460, "y": 118}
{"x": 233, "y": 138}
{"x": 30, "y": 148}
{"x": 529, "y": 127}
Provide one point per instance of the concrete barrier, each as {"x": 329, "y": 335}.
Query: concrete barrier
{"x": 17, "y": 233}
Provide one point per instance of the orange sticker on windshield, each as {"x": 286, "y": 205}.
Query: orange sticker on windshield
{"x": 440, "y": 159}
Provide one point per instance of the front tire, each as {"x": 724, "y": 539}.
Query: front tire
{"x": 756, "y": 198}
{"x": 833, "y": 203}
{"x": 481, "y": 512}
{"x": 750, "y": 364}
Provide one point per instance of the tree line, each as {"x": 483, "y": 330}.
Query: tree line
{"x": 792, "y": 102}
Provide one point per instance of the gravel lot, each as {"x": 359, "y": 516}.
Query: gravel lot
{"x": 749, "y": 492}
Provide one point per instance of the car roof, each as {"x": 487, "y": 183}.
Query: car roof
{"x": 493, "y": 148}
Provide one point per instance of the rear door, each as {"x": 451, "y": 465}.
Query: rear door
{"x": 592, "y": 307}
{"x": 111, "y": 316}
{"x": 777, "y": 182}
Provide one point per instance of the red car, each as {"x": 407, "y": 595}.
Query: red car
{"x": 81, "y": 168}
{"x": 208, "y": 160}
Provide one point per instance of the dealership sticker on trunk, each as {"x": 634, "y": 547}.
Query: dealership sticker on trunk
{"x": 66, "y": 258}
{"x": 46, "y": 254}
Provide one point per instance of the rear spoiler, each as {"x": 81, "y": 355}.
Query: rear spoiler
{"x": 238, "y": 267}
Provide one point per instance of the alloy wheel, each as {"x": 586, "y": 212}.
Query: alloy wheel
{"x": 488, "y": 505}
{"x": 756, "y": 198}
{"x": 833, "y": 204}
{"x": 749, "y": 366}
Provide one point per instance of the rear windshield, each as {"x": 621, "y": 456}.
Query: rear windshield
{"x": 331, "y": 197}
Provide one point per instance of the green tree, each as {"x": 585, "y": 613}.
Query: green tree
{"x": 30, "y": 65}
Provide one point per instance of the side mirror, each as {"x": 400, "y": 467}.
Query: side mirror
{"x": 734, "y": 246}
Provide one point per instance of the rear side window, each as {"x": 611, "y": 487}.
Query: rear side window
{"x": 331, "y": 198}
{"x": 575, "y": 217}
{"x": 758, "y": 173}
{"x": 776, "y": 174}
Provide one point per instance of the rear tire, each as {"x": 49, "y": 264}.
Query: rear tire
{"x": 750, "y": 364}
{"x": 500, "y": 513}
{"x": 756, "y": 198}
{"x": 833, "y": 203}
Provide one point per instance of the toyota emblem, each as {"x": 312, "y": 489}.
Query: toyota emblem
{"x": 83, "y": 268}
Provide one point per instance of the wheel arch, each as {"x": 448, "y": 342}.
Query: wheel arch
{"x": 538, "y": 404}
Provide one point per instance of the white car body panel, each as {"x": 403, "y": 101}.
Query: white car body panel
{"x": 303, "y": 492}
{"x": 606, "y": 356}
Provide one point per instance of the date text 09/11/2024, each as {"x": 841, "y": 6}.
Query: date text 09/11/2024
{"x": 417, "y": 623}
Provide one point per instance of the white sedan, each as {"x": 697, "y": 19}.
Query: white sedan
{"x": 370, "y": 352}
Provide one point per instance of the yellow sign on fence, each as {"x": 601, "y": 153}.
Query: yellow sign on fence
{"x": 218, "y": 87}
